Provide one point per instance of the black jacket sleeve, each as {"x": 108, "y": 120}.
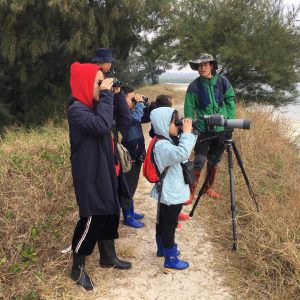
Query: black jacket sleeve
{"x": 96, "y": 122}
{"x": 122, "y": 111}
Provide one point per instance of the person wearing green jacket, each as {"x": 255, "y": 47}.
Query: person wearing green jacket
{"x": 209, "y": 94}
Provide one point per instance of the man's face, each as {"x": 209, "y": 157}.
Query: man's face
{"x": 105, "y": 66}
{"x": 129, "y": 97}
{"x": 205, "y": 69}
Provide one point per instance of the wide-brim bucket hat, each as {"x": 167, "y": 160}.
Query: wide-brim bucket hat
{"x": 204, "y": 57}
{"x": 103, "y": 55}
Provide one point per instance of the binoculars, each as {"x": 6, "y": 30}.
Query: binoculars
{"x": 179, "y": 122}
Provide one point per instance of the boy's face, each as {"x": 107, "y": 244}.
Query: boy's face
{"x": 129, "y": 97}
{"x": 105, "y": 66}
{"x": 173, "y": 129}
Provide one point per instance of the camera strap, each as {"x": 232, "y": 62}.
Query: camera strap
{"x": 212, "y": 137}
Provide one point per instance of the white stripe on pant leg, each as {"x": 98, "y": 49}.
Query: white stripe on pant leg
{"x": 87, "y": 227}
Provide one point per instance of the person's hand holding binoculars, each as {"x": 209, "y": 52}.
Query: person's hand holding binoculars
{"x": 138, "y": 97}
{"x": 187, "y": 125}
{"x": 106, "y": 84}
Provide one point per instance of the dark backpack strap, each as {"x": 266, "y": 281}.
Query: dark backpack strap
{"x": 222, "y": 90}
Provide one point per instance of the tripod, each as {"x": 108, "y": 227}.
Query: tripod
{"x": 229, "y": 146}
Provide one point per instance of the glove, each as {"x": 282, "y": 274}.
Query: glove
{"x": 228, "y": 133}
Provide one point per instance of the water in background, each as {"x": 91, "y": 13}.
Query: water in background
{"x": 182, "y": 79}
{"x": 178, "y": 77}
{"x": 292, "y": 111}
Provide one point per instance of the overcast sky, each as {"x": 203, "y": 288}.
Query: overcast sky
{"x": 292, "y": 2}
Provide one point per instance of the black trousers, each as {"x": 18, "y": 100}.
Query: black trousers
{"x": 124, "y": 194}
{"x": 133, "y": 176}
{"x": 210, "y": 148}
{"x": 90, "y": 229}
{"x": 168, "y": 221}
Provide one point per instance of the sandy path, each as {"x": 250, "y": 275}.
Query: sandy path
{"x": 147, "y": 279}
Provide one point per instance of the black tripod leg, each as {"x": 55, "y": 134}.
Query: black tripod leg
{"x": 232, "y": 196}
{"x": 201, "y": 192}
{"x": 204, "y": 185}
{"x": 239, "y": 160}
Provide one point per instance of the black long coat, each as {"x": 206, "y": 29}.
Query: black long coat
{"x": 92, "y": 159}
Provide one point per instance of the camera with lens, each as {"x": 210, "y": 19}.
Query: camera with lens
{"x": 145, "y": 101}
{"x": 117, "y": 83}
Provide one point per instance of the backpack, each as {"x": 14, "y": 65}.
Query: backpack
{"x": 150, "y": 170}
{"x": 124, "y": 158}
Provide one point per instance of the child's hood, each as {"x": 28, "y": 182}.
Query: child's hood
{"x": 161, "y": 119}
{"x": 82, "y": 82}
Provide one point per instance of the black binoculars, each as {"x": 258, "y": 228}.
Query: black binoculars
{"x": 179, "y": 122}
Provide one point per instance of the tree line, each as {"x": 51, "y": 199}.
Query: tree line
{"x": 255, "y": 41}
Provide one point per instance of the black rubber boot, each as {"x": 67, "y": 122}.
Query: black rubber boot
{"x": 108, "y": 257}
{"x": 78, "y": 274}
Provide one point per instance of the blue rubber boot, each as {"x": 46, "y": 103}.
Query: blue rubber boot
{"x": 130, "y": 221}
{"x": 135, "y": 214}
{"x": 172, "y": 261}
{"x": 160, "y": 248}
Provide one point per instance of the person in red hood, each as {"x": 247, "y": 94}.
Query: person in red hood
{"x": 90, "y": 119}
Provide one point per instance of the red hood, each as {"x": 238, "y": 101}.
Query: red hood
{"x": 82, "y": 82}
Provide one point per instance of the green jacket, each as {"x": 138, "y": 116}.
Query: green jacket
{"x": 214, "y": 96}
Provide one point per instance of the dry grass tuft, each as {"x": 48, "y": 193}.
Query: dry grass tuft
{"x": 37, "y": 214}
{"x": 153, "y": 91}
